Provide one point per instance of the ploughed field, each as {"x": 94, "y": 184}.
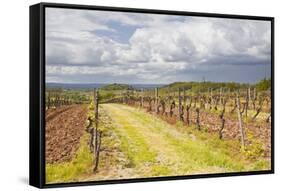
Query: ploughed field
{"x": 64, "y": 128}
{"x": 138, "y": 144}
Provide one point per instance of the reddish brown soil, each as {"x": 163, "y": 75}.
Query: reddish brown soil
{"x": 64, "y": 128}
{"x": 51, "y": 113}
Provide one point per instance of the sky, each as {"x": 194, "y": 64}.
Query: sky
{"x": 88, "y": 46}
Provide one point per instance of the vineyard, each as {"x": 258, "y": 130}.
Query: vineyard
{"x": 111, "y": 133}
{"x": 229, "y": 114}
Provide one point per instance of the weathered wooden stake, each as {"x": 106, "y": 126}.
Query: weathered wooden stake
{"x": 220, "y": 96}
{"x": 198, "y": 119}
{"x": 247, "y": 101}
{"x": 180, "y": 106}
{"x": 188, "y": 106}
{"x": 156, "y": 100}
{"x": 97, "y": 153}
{"x": 142, "y": 92}
{"x": 96, "y": 117}
{"x": 211, "y": 101}
{"x": 250, "y": 95}
{"x": 169, "y": 96}
{"x": 222, "y": 120}
{"x": 97, "y": 133}
{"x": 254, "y": 98}
{"x": 184, "y": 96}
{"x": 242, "y": 133}
{"x": 172, "y": 106}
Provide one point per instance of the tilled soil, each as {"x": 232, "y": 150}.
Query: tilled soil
{"x": 64, "y": 128}
{"x": 53, "y": 112}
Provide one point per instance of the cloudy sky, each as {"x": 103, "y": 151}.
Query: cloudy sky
{"x": 85, "y": 46}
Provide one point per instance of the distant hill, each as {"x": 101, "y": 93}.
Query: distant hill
{"x": 264, "y": 84}
{"x": 205, "y": 86}
{"x": 116, "y": 86}
{"x": 147, "y": 86}
{"x": 74, "y": 86}
{"x": 101, "y": 85}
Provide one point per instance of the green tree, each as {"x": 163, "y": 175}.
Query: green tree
{"x": 264, "y": 84}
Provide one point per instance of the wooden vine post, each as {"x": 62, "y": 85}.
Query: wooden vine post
{"x": 97, "y": 133}
{"x": 172, "y": 106}
{"x": 211, "y": 101}
{"x": 198, "y": 119}
{"x": 222, "y": 120}
{"x": 248, "y": 98}
{"x": 220, "y": 96}
{"x": 188, "y": 106}
{"x": 254, "y": 98}
{"x": 180, "y": 116}
{"x": 169, "y": 96}
{"x": 242, "y": 133}
{"x": 96, "y": 106}
{"x": 142, "y": 92}
{"x": 184, "y": 96}
{"x": 156, "y": 101}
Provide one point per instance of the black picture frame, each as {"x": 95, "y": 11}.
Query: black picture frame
{"x": 37, "y": 96}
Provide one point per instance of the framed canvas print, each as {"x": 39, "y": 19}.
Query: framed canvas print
{"x": 127, "y": 95}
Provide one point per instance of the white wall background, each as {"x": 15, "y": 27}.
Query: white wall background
{"x": 14, "y": 58}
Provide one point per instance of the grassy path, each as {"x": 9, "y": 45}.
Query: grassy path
{"x": 156, "y": 148}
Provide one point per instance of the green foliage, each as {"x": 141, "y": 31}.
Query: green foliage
{"x": 264, "y": 85}
{"x": 254, "y": 149}
{"x": 91, "y": 112}
{"x": 205, "y": 86}
{"x": 116, "y": 86}
{"x": 104, "y": 95}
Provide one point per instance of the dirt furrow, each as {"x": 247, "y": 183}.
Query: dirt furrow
{"x": 52, "y": 113}
{"x": 63, "y": 133}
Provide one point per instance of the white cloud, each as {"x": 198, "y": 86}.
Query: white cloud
{"x": 160, "y": 45}
{"x": 70, "y": 20}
